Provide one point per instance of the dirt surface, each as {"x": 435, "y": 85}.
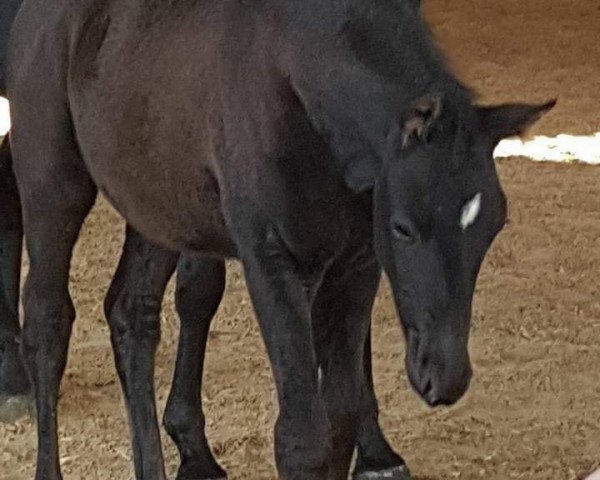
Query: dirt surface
{"x": 511, "y": 50}
{"x": 533, "y": 411}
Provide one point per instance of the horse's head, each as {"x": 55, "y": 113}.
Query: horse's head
{"x": 438, "y": 205}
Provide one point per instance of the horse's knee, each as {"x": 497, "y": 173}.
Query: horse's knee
{"x": 345, "y": 422}
{"x": 304, "y": 442}
{"x": 341, "y": 390}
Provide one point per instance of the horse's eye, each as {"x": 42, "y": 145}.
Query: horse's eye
{"x": 403, "y": 231}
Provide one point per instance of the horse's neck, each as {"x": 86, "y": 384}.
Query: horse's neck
{"x": 353, "y": 107}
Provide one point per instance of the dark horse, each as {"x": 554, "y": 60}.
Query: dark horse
{"x": 312, "y": 140}
{"x": 200, "y": 285}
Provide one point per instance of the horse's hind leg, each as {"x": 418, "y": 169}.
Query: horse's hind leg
{"x": 200, "y": 286}
{"x": 57, "y": 194}
{"x": 14, "y": 383}
{"x": 132, "y": 307}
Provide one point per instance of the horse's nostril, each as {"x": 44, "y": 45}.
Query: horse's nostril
{"x": 439, "y": 402}
{"x": 432, "y": 397}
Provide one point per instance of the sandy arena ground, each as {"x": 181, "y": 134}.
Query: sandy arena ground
{"x": 533, "y": 411}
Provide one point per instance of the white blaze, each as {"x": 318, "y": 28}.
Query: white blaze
{"x": 470, "y": 212}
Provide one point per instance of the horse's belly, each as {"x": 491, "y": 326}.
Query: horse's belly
{"x": 180, "y": 212}
{"x": 176, "y": 226}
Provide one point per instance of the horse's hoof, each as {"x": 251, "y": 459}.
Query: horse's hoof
{"x": 203, "y": 470}
{"x": 201, "y": 478}
{"x": 13, "y": 407}
{"x": 394, "y": 473}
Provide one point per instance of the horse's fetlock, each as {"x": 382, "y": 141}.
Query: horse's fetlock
{"x": 180, "y": 418}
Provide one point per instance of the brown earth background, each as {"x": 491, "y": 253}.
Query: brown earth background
{"x": 533, "y": 411}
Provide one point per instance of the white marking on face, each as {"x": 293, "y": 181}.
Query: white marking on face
{"x": 470, "y": 212}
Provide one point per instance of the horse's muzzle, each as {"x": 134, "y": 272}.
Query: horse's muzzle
{"x": 439, "y": 369}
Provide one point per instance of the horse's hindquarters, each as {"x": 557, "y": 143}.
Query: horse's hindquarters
{"x": 140, "y": 100}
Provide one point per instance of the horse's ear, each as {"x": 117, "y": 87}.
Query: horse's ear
{"x": 414, "y": 127}
{"x": 416, "y": 123}
{"x": 512, "y": 119}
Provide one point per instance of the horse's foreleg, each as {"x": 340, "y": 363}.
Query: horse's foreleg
{"x": 375, "y": 459}
{"x": 302, "y": 430}
{"x": 340, "y": 316}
